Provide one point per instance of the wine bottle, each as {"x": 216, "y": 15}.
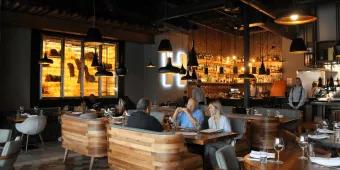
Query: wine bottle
{"x": 320, "y": 82}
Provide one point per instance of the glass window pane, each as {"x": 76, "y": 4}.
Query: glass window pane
{"x": 50, "y": 74}
{"x": 90, "y": 80}
{"x": 109, "y": 84}
{"x": 72, "y": 68}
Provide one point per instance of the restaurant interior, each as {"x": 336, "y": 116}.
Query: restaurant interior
{"x": 170, "y": 84}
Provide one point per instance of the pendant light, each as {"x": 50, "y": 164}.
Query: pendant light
{"x": 221, "y": 69}
{"x": 95, "y": 62}
{"x": 187, "y": 76}
{"x": 121, "y": 70}
{"x": 193, "y": 75}
{"x": 169, "y": 68}
{"x": 262, "y": 69}
{"x": 192, "y": 62}
{"x": 182, "y": 69}
{"x": 45, "y": 60}
{"x": 150, "y": 65}
{"x": 93, "y": 35}
{"x": 295, "y": 17}
{"x": 165, "y": 44}
{"x": 235, "y": 69}
{"x": 206, "y": 69}
{"x": 297, "y": 45}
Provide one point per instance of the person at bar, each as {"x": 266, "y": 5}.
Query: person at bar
{"x": 190, "y": 116}
{"x": 216, "y": 121}
{"x": 142, "y": 119}
{"x": 297, "y": 95}
{"x": 253, "y": 88}
{"x": 314, "y": 90}
{"x": 198, "y": 93}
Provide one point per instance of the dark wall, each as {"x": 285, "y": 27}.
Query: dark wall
{"x": 15, "y": 68}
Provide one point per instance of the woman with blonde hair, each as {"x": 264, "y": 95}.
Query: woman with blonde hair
{"x": 216, "y": 120}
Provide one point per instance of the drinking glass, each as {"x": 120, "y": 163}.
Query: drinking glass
{"x": 303, "y": 144}
{"x": 263, "y": 157}
{"x": 278, "y": 147}
{"x": 197, "y": 126}
{"x": 36, "y": 109}
{"x": 21, "y": 109}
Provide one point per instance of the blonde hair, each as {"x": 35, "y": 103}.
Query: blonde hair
{"x": 218, "y": 107}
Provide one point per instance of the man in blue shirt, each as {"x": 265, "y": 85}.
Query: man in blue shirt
{"x": 190, "y": 116}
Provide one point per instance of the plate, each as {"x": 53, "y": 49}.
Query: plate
{"x": 211, "y": 130}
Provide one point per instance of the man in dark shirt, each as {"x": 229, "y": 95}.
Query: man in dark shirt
{"x": 141, "y": 119}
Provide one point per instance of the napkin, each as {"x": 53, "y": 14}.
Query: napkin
{"x": 258, "y": 114}
{"x": 31, "y": 115}
{"x": 326, "y": 161}
{"x": 257, "y": 155}
{"x": 325, "y": 131}
{"x": 25, "y": 114}
{"x": 322, "y": 136}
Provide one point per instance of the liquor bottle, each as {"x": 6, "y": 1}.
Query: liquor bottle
{"x": 320, "y": 82}
{"x": 331, "y": 83}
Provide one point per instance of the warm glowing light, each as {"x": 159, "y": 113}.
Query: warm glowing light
{"x": 176, "y": 61}
{"x": 249, "y": 64}
{"x": 242, "y": 68}
{"x": 234, "y": 57}
{"x": 294, "y": 17}
{"x": 253, "y": 60}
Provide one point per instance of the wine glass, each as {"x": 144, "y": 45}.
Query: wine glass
{"x": 303, "y": 144}
{"x": 197, "y": 126}
{"x": 278, "y": 147}
{"x": 21, "y": 109}
{"x": 36, "y": 109}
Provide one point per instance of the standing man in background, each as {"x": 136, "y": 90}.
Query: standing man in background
{"x": 297, "y": 95}
{"x": 198, "y": 93}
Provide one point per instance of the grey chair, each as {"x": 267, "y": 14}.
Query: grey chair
{"x": 226, "y": 158}
{"x": 88, "y": 116}
{"x": 10, "y": 153}
{"x": 5, "y": 135}
{"x": 238, "y": 125}
{"x": 158, "y": 115}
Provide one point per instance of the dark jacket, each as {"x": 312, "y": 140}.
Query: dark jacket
{"x": 142, "y": 120}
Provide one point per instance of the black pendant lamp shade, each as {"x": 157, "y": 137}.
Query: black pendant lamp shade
{"x": 95, "y": 62}
{"x": 121, "y": 70}
{"x": 54, "y": 53}
{"x": 262, "y": 69}
{"x": 298, "y": 46}
{"x": 169, "y": 68}
{"x": 93, "y": 37}
{"x": 150, "y": 65}
{"x": 187, "y": 76}
{"x": 45, "y": 60}
{"x": 182, "y": 70}
{"x": 192, "y": 62}
{"x": 221, "y": 70}
{"x": 193, "y": 75}
{"x": 103, "y": 72}
{"x": 206, "y": 70}
{"x": 165, "y": 46}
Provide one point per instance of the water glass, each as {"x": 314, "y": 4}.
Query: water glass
{"x": 197, "y": 126}
{"x": 36, "y": 109}
{"x": 21, "y": 109}
{"x": 311, "y": 150}
{"x": 303, "y": 144}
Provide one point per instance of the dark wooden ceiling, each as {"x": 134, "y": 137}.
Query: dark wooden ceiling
{"x": 150, "y": 15}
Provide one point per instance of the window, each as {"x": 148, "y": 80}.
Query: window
{"x": 71, "y": 74}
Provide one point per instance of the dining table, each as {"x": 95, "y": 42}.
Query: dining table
{"x": 332, "y": 143}
{"x": 206, "y": 138}
{"x": 290, "y": 159}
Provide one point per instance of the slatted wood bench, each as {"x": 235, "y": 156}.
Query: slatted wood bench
{"x": 131, "y": 148}
{"x": 84, "y": 136}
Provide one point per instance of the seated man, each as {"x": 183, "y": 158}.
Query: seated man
{"x": 190, "y": 116}
{"x": 141, "y": 118}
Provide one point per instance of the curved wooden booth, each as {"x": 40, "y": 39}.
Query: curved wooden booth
{"x": 264, "y": 131}
{"x": 131, "y": 148}
{"x": 83, "y": 136}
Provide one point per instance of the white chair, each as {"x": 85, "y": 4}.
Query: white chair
{"x": 32, "y": 126}
{"x": 5, "y": 135}
{"x": 10, "y": 153}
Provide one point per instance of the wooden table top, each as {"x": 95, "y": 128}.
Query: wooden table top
{"x": 291, "y": 161}
{"x": 16, "y": 119}
{"x": 205, "y": 138}
{"x": 257, "y": 117}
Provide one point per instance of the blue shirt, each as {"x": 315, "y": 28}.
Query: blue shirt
{"x": 184, "y": 121}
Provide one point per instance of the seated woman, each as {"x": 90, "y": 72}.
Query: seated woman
{"x": 121, "y": 108}
{"x": 216, "y": 121}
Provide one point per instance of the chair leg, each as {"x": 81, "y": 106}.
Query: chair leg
{"x": 27, "y": 136}
{"x": 22, "y": 136}
{"x": 65, "y": 155}
{"x": 41, "y": 139}
{"x": 91, "y": 163}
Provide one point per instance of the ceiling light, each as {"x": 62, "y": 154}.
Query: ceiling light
{"x": 298, "y": 46}
{"x": 295, "y": 18}
{"x": 165, "y": 46}
{"x": 45, "y": 60}
{"x": 169, "y": 68}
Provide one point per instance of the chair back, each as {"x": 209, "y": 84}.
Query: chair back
{"x": 238, "y": 125}
{"x": 226, "y": 158}
{"x": 10, "y": 153}
{"x": 33, "y": 125}
{"x": 159, "y": 116}
{"x": 5, "y": 135}
{"x": 227, "y": 109}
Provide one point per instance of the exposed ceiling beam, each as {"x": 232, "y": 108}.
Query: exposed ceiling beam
{"x": 277, "y": 30}
{"x": 260, "y": 7}
{"x": 182, "y": 11}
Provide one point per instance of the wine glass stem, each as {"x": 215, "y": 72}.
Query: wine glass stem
{"x": 303, "y": 152}
{"x": 278, "y": 156}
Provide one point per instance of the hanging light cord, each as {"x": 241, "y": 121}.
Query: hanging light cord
{"x": 94, "y": 13}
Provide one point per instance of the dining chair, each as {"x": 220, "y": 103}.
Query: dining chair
{"x": 5, "y": 135}
{"x": 32, "y": 126}
{"x": 10, "y": 153}
{"x": 226, "y": 158}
